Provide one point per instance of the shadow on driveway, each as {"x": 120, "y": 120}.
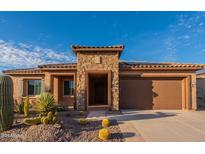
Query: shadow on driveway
{"x": 135, "y": 115}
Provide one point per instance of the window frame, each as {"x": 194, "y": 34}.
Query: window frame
{"x": 27, "y": 82}
{"x": 64, "y": 88}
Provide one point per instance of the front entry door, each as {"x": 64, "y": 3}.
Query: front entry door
{"x": 98, "y": 90}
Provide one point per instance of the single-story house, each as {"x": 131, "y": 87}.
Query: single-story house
{"x": 100, "y": 80}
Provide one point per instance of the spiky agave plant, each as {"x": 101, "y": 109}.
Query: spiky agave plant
{"x": 45, "y": 103}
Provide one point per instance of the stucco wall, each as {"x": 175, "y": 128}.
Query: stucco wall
{"x": 65, "y": 100}
{"x": 16, "y": 83}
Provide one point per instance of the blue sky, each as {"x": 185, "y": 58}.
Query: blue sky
{"x": 31, "y": 38}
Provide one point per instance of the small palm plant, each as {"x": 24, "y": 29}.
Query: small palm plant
{"x": 45, "y": 103}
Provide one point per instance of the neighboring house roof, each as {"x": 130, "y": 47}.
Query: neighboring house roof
{"x": 200, "y": 72}
{"x": 79, "y": 48}
{"x": 130, "y": 65}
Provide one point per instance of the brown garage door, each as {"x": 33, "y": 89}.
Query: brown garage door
{"x": 150, "y": 93}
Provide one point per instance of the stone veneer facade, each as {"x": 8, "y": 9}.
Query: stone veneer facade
{"x": 97, "y": 61}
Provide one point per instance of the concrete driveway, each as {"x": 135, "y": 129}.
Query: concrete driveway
{"x": 162, "y": 125}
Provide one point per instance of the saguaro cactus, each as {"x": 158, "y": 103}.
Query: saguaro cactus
{"x": 26, "y": 106}
{"x": 6, "y": 102}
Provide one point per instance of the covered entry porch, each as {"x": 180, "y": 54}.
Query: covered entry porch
{"x": 62, "y": 86}
{"x": 98, "y": 90}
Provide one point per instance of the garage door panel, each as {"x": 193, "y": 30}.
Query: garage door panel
{"x": 129, "y": 91}
{"x": 169, "y": 94}
{"x": 151, "y": 93}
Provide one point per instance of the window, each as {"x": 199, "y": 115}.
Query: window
{"x": 34, "y": 87}
{"x": 68, "y": 88}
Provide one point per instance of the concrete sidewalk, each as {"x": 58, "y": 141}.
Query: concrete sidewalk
{"x": 96, "y": 114}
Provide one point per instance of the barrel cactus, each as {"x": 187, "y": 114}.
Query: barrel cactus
{"x": 104, "y": 134}
{"x": 50, "y": 116}
{"x": 6, "y": 102}
{"x": 83, "y": 121}
{"x": 105, "y": 122}
{"x": 45, "y": 120}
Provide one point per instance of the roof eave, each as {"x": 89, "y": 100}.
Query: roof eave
{"x": 161, "y": 69}
{"x": 58, "y": 69}
{"x": 23, "y": 73}
{"x": 117, "y": 48}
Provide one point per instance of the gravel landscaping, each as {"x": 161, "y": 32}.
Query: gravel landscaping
{"x": 67, "y": 129}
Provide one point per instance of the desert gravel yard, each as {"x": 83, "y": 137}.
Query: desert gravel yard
{"x": 128, "y": 125}
{"x": 67, "y": 129}
{"x": 164, "y": 125}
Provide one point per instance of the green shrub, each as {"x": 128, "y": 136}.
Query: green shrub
{"x": 45, "y": 103}
{"x": 26, "y": 107}
{"x": 6, "y": 102}
{"x": 32, "y": 121}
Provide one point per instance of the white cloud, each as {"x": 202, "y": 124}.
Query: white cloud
{"x": 23, "y": 55}
{"x": 26, "y": 46}
{"x": 184, "y": 37}
{"x": 201, "y": 24}
{"x": 170, "y": 53}
{"x": 187, "y": 33}
{"x": 190, "y": 22}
